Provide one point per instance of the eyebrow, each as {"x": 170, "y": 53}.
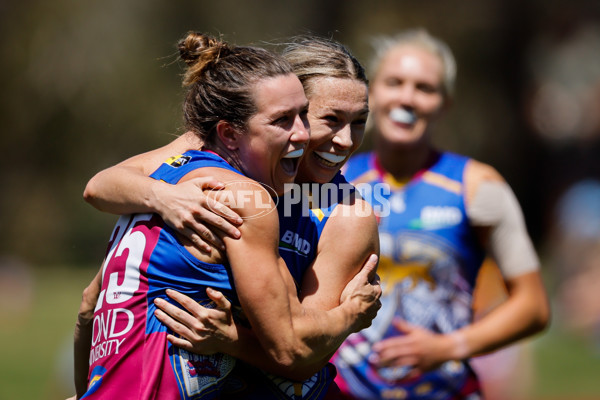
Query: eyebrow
{"x": 361, "y": 111}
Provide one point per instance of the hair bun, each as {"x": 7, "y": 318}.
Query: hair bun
{"x": 198, "y": 50}
{"x": 195, "y": 44}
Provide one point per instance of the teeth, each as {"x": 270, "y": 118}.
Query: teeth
{"x": 295, "y": 154}
{"x": 403, "y": 116}
{"x": 332, "y": 158}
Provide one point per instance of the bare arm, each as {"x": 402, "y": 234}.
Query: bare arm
{"x": 336, "y": 264}
{"x": 349, "y": 237}
{"x": 291, "y": 334}
{"x": 126, "y": 188}
{"x": 288, "y": 331}
{"x": 209, "y": 330}
{"x": 496, "y": 216}
{"x": 83, "y": 333}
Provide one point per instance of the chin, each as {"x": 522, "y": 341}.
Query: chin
{"x": 402, "y": 138}
{"x": 323, "y": 176}
{"x": 282, "y": 185}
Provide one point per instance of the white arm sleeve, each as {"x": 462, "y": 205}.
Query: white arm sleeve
{"x": 495, "y": 205}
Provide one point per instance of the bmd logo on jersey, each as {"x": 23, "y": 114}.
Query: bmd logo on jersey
{"x": 438, "y": 217}
{"x": 293, "y": 241}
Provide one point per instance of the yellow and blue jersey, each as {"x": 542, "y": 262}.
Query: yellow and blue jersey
{"x": 429, "y": 262}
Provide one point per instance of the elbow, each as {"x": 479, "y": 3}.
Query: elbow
{"x": 89, "y": 299}
{"x": 539, "y": 319}
{"x": 543, "y": 317}
{"x": 287, "y": 357}
{"x": 90, "y": 193}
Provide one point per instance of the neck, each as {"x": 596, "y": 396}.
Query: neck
{"x": 404, "y": 160}
{"x": 229, "y": 156}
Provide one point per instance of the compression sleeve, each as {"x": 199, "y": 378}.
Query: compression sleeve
{"x": 495, "y": 205}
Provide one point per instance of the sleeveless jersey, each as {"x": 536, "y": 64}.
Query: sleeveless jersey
{"x": 428, "y": 266}
{"x": 303, "y": 212}
{"x": 130, "y": 356}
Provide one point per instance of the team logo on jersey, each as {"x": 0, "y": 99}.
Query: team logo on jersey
{"x": 178, "y": 161}
{"x": 293, "y": 242}
{"x": 437, "y": 217}
{"x": 95, "y": 380}
{"x": 201, "y": 374}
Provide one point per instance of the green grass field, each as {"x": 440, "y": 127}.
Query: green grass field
{"x": 35, "y": 361}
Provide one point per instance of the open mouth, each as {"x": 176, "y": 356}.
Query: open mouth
{"x": 403, "y": 116}
{"x": 328, "y": 159}
{"x": 290, "y": 161}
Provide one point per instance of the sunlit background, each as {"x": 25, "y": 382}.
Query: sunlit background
{"x": 86, "y": 84}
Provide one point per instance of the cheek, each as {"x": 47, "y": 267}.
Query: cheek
{"x": 378, "y": 97}
{"x": 357, "y": 140}
{"x": 318, "y": 134}
{"x": 431, "y": 106}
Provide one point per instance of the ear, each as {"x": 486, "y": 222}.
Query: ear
{"x": 228, "y": 135}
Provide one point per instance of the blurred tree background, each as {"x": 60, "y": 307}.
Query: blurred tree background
{"x": 86, "y": 84}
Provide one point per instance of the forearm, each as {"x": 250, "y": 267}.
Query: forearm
{"x": 318, "y": 334}
{"x": 122, "y": 190}
{"x": 296, "y": 339}
{"x": 338, "y": 268}
{"x": 322, "y": 332}
{"x": 82, "y": 343}
{"x": 524, "y": 313}
{"x": 249, "y": 349}
{"x": 82, "y": 337}
{"x": 126, "y": 188}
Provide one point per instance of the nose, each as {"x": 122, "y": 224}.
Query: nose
{"x": 343, "y": 137}
{"x": 301, "y": 132}
{"x": 406, "y": 94}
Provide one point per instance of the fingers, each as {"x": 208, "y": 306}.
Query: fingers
{"x": 181, "y": 342}
{"x": 370, "y": 267}
{"x": 393, "y": 352}
{"x": 216, "y": 207}
{"x": 222, "y": 211}
{"x": 382, "y": 360}
{"x": 187, "y": 302}
{"x": 169, "y": 311}
{"x": 172, "y": 324}
{"x": 196, "y": 237}
{"x": 199, "y": 318}
{"x": 212, "y": 214}
{"x": 218, "y": 298}
{"x": 402, "y": 325}
{"x": 208, "y": 182}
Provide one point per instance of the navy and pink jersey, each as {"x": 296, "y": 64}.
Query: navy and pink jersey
{"x": 428, "y": 265}
{"x": 130, "y": 356}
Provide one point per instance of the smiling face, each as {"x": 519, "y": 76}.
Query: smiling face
{"x": 337, "y": 114}
{"x": 277, "y": 135}
{"x": 407, "y": 94}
